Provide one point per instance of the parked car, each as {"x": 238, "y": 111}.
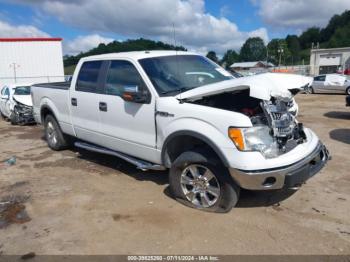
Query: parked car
{"x": 331, "y": 83}
{"x": 180, "y": 111}
{"x": 16, "y": 104}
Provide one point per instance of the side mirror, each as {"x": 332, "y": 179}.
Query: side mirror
{"x": 6, "y": 97}
{"x": 134, "y": 94}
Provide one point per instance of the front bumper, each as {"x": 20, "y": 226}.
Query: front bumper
{"x": 283, "y": 177}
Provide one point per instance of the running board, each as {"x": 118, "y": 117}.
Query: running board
{"x": 140, "y": 164}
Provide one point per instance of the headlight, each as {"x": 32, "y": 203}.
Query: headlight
{"x": 255, "y": 138}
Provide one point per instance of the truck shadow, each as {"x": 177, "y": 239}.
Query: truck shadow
{"x": 248, "y": 198}
{"x": 338, "y": 115}
{"x": 341, "y": 135}
{"x": 117, "y": 164}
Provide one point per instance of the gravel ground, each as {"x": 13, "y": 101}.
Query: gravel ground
{"x": 74, "y": 202}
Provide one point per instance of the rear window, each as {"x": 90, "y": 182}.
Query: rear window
{"x": 88, "y": 77}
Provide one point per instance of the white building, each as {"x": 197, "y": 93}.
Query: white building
{"x": 327, "y": 61}
{"x": 34, "y": 60}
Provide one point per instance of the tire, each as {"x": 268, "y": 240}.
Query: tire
{"x": 348, "y": 91}
{"x": 218, "y": 193}
{"x": 56, "y": 140}
{"x": 14, "y": 118}
{"x": 310, "y": 90}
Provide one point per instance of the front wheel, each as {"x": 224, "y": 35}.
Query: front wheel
{"x": 199, "y": 180}
{"x": 14, "y": 117}
{"x": 310, "y": 90}
{"x": 348, "y": 91}
{"x": 54, "y": 136}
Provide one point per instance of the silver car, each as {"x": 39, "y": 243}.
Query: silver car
{"x": 331, "y": 83}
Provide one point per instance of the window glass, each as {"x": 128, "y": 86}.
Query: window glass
{"x": 122, "y": 74}
{"x": 7, "y": 92}
{"x": 171, "y": 75}
{"x": 22, "y": 90}
{"x": 320, "y": 78}
{"x": 88, "y": 77}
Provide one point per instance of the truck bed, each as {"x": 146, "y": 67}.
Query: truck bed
{"x": 56, "y": 97}
{"x": 55, "y": 85}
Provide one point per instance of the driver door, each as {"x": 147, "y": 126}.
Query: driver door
{"x": 127, "y": 127}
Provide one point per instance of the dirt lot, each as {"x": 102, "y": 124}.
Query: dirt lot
{"x": 83, "y": 203}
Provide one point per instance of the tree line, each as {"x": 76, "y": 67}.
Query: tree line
{"x": 293, "y": 49}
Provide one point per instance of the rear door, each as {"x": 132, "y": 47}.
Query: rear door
{"x": 127, "y": 127}
{"x": 84, "y": 101}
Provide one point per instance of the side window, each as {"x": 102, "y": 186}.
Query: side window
{"x": 88, "y": 76}
{"x": 7, "y": 92}
{"x": 320, "y": 78}
{"x": 122, "y": 74}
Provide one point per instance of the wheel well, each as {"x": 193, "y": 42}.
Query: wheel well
{"x": 45, "y": 111}
{"x": 178, "y": 144}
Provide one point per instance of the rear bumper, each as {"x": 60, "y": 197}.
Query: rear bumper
{"x": 283, "y": 177}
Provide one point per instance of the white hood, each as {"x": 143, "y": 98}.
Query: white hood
{"x": 24, "y": 99}
{"x": 263, "y": 86}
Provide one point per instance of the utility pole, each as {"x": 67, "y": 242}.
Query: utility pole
{"x": 280, "y": 52}
{"x": 15, "y": 66}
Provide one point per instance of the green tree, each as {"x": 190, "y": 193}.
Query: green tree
{"x": 294, "y": 48}
{"x": 341, "y": 37}
{"x": 140, "y": 44}
{"x": 253, "y": 50}
{"x": 229, "y": 58}
{"x": 212, "y": 56}
{"x": 311, "y": 35}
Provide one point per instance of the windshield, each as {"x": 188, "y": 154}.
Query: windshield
{"x": 171, "y": 75}
{"x": 22, "y": 90}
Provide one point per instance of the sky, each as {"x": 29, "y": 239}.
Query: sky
{"x": 199, "y": 25}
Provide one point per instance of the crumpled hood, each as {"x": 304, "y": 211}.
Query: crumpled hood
{"x": 262, "y": 86}
{"x": 24, "y": 99}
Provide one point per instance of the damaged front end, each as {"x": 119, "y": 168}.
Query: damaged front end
{"x": 22, "y": 114}
{"x": 275, "y": 130}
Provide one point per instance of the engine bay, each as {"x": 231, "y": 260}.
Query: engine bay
{"x": 276, "y": 116}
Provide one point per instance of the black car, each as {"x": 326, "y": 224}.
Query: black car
{"x": 347, "y": 99}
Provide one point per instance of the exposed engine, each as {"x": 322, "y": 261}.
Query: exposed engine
{"x": 275, "y": 119}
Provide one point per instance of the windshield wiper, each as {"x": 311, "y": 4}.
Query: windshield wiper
{"x": 178, "y": 90}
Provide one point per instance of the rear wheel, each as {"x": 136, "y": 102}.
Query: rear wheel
{"x": 54, "y": 136}
{"x": 199, "y": 180}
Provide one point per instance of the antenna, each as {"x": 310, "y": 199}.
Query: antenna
{"x": 177, "y": 61}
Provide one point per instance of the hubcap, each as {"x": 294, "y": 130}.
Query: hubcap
{"x": 200, "y": 186}
{"x": 51, "y": 134}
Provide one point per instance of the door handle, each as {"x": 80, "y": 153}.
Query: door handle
{"x": 103, "y": 106}
{"x": 74, "y": 102}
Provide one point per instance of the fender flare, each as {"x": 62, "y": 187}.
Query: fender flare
{"x": 199, "y": 136}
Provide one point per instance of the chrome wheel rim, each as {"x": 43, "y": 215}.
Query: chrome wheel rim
{"x": 200, "y": 186}
{"x": 51, "y": 134}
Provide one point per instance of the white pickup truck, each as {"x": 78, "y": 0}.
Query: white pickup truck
{"x": 180, "y": 111}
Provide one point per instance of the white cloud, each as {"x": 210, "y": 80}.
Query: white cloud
{"x": 8, "y": 30}
{"x": 84, "y": 43}
{"x": 195, "y": 28}
{"x": 299, "y": 14}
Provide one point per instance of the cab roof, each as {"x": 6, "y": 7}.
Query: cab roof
{"x": 136, "y": 55}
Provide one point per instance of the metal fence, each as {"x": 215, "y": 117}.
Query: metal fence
{"x": 34, "y": 79}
